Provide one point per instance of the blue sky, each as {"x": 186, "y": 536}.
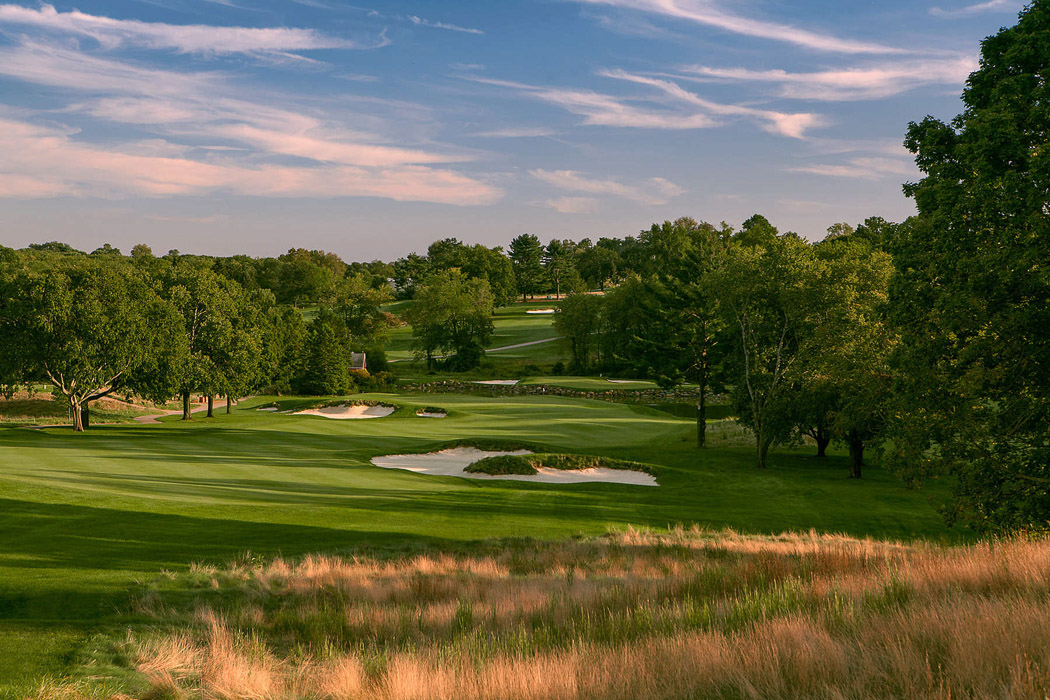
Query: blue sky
{"x": 231, "y": 126}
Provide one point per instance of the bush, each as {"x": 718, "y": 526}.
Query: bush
{"x": 558, "y": 368}
{"x": 528, "y": 464}
{"x": 503, "y": 464}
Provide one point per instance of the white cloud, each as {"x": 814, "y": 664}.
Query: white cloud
{"x": 195, "y": 133}
{"x": 672, "y": 108}
{"x": 184, "y": 38}
{"x": 656, "y": 190}
{"x": 41, "y": 161}
{"x": 990, "y": 6}
{"x": 708, "y": 13}
{"x": 853, "y": 83}
{"x": 793, "y": 124}
{"x": 867, "y": 168}
{"x": 573, "y": 205}
{"x": 419, "y": 21}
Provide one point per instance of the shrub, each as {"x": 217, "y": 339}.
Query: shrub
{"x": 502, "y": 464}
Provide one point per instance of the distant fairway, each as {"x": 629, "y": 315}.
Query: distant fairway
{"x": 513, "y": 325}
{"x": 84, "y": 517}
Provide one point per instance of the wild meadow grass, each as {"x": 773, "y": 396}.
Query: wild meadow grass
{"x": 677, "y": 614}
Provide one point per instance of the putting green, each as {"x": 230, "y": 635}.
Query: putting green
{"x": 83, "y": 517}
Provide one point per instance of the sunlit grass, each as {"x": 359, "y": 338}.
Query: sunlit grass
{"x": 680, "y": 614}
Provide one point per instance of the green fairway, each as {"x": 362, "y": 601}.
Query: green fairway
{"x": 513, "y": 325}
{"x": 86, "y": 516}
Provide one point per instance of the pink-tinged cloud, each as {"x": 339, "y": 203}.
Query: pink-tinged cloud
{"x": 184, "y": 38}
{"x": 48, "y": 162}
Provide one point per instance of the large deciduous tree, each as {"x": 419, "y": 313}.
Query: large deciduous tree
{"x": 211, "y": 309}
{"x": 845, "y": 379}
{"x": 766, "y": 297}
{"x": 90, "y": 327}
{"x": 971, "y": 295}
{"x": 452, "y": 313}
{"x": 579, "y": 320}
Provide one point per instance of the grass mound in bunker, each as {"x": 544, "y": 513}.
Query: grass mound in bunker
{"x": 533, "y": 463}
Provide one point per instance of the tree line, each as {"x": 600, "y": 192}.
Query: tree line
{"x": 93, "y": 325}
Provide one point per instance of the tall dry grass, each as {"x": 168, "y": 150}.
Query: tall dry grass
{"x": 683, "y": 614}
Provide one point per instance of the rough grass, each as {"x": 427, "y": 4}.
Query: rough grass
{"x": 529, "y": 464}
{"x": 682, "y": 614}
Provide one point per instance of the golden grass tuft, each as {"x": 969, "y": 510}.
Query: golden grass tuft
{"x": 679, "y": 614}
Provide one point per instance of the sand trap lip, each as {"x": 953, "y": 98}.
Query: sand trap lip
{"x": 348, "y": 412}
{"x": 452, "y": 462}
{"x": 501, "y": 382}
{"x": 540, "y": 311}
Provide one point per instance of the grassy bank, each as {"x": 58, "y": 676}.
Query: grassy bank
{"x": 684, "y": 614}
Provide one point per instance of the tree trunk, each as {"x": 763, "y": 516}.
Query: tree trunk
{"x": 78, "y": 417}
{"x": 185, "y": 405}
{"x": 211, "y": 406}
{"x": 85, "y": 415}
{"x": 701, "y": 420}
{"x": 856, "y": 455}
{"x": 229, "y": 404}
{"x": 763, "y": 449}
{"x": 823, "y": 440}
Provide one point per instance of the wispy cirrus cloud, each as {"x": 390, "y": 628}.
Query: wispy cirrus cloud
{"x": 868, "y": 82}
{"x": 184, "y": 38}
{"x": 672, "y": 107}
{"x": 421, "y": 22}
{"x": 793, "y": 124}
{"x": 196, "y": 132}
{"x": 655, "y": 190}
{"x": 861, "y": 167}
{"x": 978, "y": 8}
{"x": 45, "y": 162}
{"x": 711, "y": 14}
{"x": 599, "y": 109}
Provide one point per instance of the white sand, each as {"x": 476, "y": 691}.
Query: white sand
{"x": 540, "y": 311}
{"x": 269, "y": 408}
{"x": 346, "y": 412}
{"x": 453, "y": 462}
{"x": 502, "y": 382}
{"x": 624, "y": 381}
{"x": 425, "y": 414}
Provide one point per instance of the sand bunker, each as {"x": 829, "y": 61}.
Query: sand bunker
{"x": 624, "y": 381}
{"x": 431, "y": 414}
{"x": 502, "y": 382}
{"x": 540, "y": 311}
{"x": 267, "y": 408}
{"x": 348, "y": 412}
{"x": 452, "y": 462}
